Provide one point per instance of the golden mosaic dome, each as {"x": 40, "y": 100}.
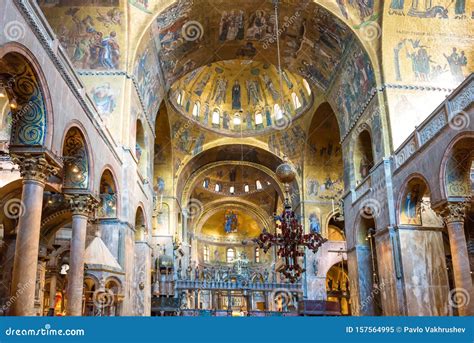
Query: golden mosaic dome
{"x": 241, "y": 97}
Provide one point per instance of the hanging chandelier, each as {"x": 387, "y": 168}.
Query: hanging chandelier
{"x": 289, "y": 238}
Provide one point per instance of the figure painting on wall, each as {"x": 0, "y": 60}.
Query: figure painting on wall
{"x": 198, "y": 145}
{"x": 104, "y": 98}
{"x": 460, "y": 9}
{"x": 236, "y": 105}
{"x": 253, "y": 92}
{"x": 226, "y": 120}
{"x": 110, "y": 52}
{"x": 231, "y": 222}
{"x": 205, "y": 119}
{"x": 87, "y": 45}
{"x": 427, "y": 9}
{"x": 201, "y": 84}
{"x": 141, "y": 5}
{"x": 160, "y": 186}
{"x": 268, "y": 116}
{"x": 396, "y": 7}
{"x": 365, "y": 166}
{"x": 364, "y": 7}
{"x": 231, "y": 26}
{"x": 313, "y": 187}
{"x": 220, "y": 90}
{"x": 271, "y": 87}
{"x": 420, "y": 61}
{"x": 249, "y": 121}
{"x": 456, "y": 62}
{"x": 258, "y": 26}
{"x": 314, "y": 224}
{"x": 112, "y": 17}
{"x": 411, "y": 209}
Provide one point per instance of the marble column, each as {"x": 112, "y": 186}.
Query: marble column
{"x": 34, "y": 169}
{"x": 454, "y": 214}
{"x": 81, "y": 206}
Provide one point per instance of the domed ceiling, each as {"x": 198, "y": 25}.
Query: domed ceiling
{"x": 241, "y": 97}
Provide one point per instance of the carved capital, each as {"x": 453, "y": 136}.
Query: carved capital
{"x": 83, "y": 204}
{"x": 35, "y": 166}
{"x": 454, "y": 211}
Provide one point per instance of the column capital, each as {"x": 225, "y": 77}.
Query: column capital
{"x": 82, "y": 204}
{"x": 36, "y": 167}
{"x": 454, "y": 211}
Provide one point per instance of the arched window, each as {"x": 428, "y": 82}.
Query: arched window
{"x": 258, "y": 185}
{"x": 218, "y": 187}
{"x": 306, "y": 85}
{"x": 196, "y": 109}
{"x": 277, "y": 112}
{"x": 179, "y": 98}
{"x": 205, "y": 183}
{"x": 296, "y": 100}
{"x": 216, "y": 117}
{"x": 232, "y": 190}
{"x": 246, "y": 188}
{"x": 237, "y": 120}
{"x": 258, "y": 118}
{"x": 230, "y": 255}
{"x": 206, "y": 253}
{"x": 257, "y": 255}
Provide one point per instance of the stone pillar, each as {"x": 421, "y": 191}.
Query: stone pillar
{"x": 454, "y": 214}
{"x": 81, "y": 205}
{"x": 196, "y": 299}
{"x": 52, "y": 290}
{"x": 39, "y": 291}
{"x": 34, "y": 170}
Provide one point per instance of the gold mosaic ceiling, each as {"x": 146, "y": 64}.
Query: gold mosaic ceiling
{"x": 241, "y": 97}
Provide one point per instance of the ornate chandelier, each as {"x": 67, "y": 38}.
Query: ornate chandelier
{"x": 289, "y": 237}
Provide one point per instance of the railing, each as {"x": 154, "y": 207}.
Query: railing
{"x": 224, "y": 313}
{"x": 445, "y": 114}
{"x": 224, "y": 285}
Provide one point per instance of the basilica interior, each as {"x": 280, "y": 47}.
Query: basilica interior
{"x": 236, "y": 158}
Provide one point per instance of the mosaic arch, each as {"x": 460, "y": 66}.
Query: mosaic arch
{"x": 230, "y": 152}
{"x": 232, "y": 179}
{"x": 76, "y": 160}
{"x": 315, "y": 46}
{"x": 28, "y": 114}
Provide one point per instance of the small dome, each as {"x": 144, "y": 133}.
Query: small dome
{"x": 241, "y": 97}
